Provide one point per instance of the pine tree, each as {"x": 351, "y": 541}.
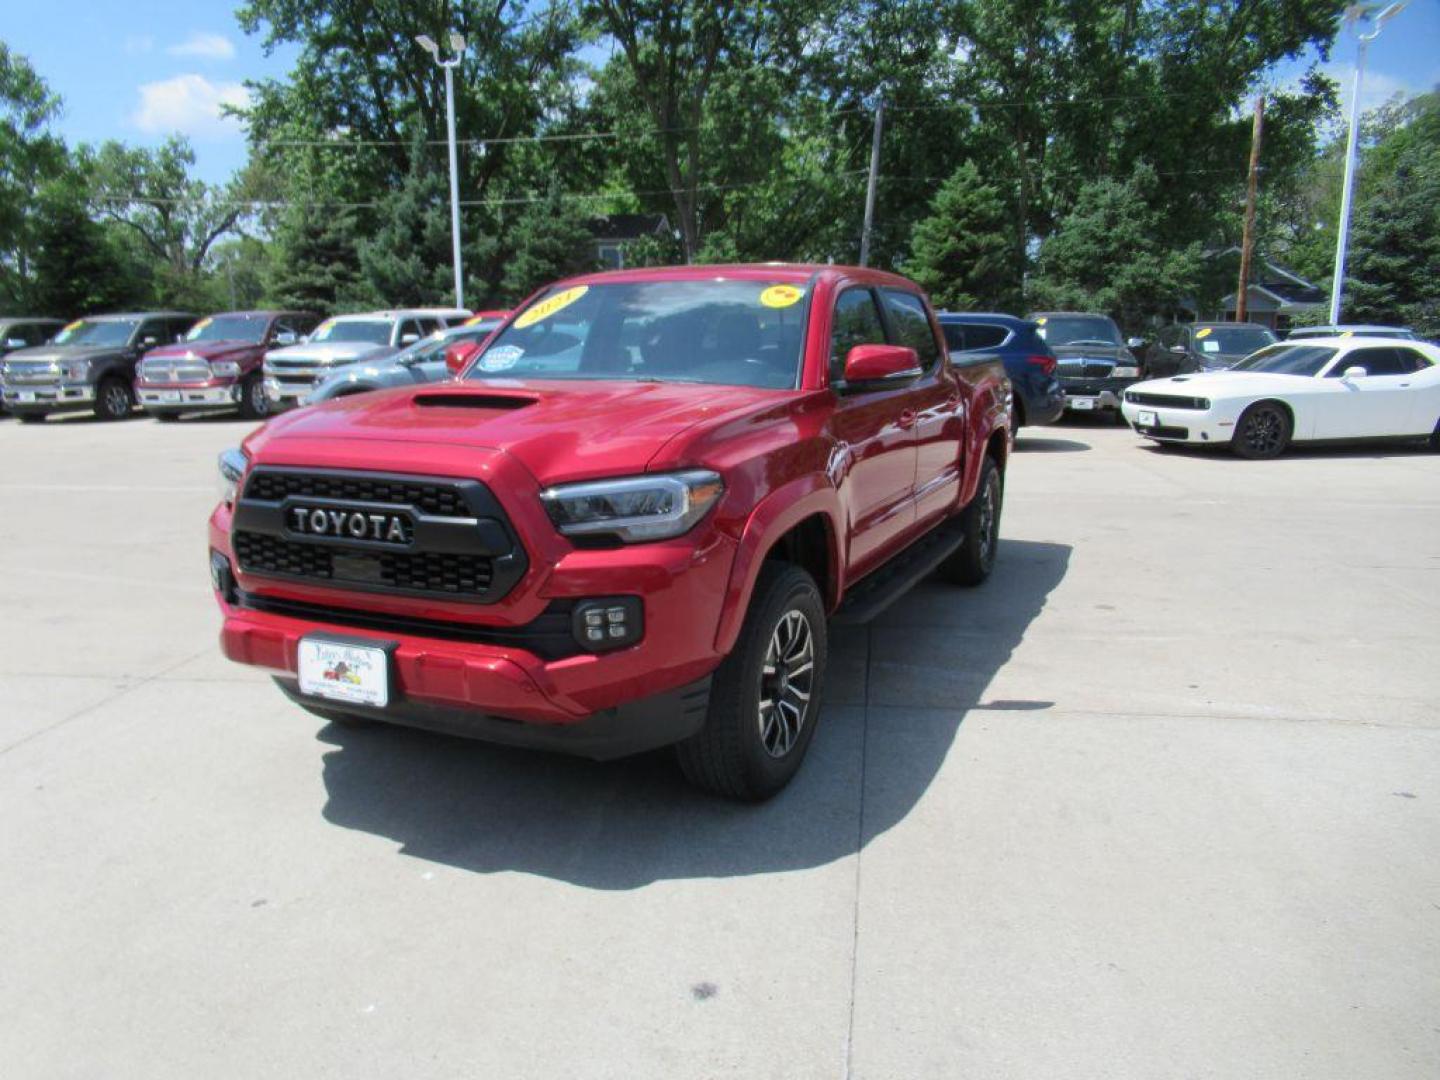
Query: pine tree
{"x": 315, "y": 266}
{"x": 961, "y": 252}
{"x": 550, "y": 239}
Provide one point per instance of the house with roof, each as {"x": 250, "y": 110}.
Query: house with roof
{"x": 613, "y": 233}
{"x": 1276, "y": 296}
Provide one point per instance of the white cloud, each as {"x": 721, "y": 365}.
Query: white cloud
{"x": 205, "y": 46}
{"x": 190, "y": 105}
{"x": 1376, "y": 88}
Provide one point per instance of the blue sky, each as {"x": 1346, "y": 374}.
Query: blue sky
{"x": 139, "y": 70}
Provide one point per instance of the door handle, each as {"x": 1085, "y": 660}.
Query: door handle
{"x": 907, "y": 418}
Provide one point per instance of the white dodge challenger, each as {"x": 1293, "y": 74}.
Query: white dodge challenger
{"x": 1297, "y": 391}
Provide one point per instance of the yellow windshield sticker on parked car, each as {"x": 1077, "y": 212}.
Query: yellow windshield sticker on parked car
{"x": 781, "y": 296}
{"x": 549, "y": 306}
{"x": 73, "y": 326}
{"x": 1202, "y": 333}
{"x": 1041, "y": 321}
{"x": 203, "y": 323}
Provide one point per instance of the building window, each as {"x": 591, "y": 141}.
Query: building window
{"x": 612, "y": 256}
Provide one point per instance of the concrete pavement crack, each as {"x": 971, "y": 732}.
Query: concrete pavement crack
{"x": 78, "y": 713}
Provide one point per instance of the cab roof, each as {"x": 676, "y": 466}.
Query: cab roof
{"x": 780, "y": 272}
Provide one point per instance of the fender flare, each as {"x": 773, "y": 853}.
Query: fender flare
{"x": 777, "y": 514}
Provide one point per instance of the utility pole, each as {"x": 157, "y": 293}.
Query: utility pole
{"x": 457, "y": 43}
{"x": 1353, "y": 15}
{"x": 870, "y": 187}
{"x": 1247, "y": 241}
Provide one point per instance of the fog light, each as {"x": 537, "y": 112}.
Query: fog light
{"x": 221, "y": 577}
{"x": 610, "y": 623}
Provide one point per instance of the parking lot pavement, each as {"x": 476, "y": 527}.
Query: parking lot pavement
{"x": 1161, "y": 799}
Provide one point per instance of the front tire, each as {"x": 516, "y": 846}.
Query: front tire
{"x": 975, "y": 557}
{"x": 1263, "y": 431}
{"x": 254, "y": 405}
{"x": 765, "y": 696}
{"x": 113, "y": 400}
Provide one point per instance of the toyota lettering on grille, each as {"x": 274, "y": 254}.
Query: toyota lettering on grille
{"x": 375, "y": 525}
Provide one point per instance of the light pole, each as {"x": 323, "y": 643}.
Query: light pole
{"x": 1353, "y": 15}
{"x": 457, "y": 44}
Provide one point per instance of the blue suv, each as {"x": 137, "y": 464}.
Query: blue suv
{"x": 1028, "y": 360}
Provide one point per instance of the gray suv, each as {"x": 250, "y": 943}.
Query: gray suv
{"x": 90, "y": 365}
{"x": 291, "y": 373}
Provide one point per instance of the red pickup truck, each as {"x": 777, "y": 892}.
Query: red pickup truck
{"x": 627, "y": 521}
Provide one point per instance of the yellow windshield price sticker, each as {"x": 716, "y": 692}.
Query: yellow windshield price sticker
{"x": 324, "y": 327}
{"x": 73, "y": 326}
{"x": 1348, "y": 333}
{"x": 1041, "y": 321}
{"x": 781, "y": 296}
{"x": 1204, "y": 333}
{"x": 549, "y": 306}
{"x": 203, "y": 323}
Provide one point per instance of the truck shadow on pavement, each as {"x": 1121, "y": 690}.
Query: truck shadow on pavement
{"x": 897, "y": 693}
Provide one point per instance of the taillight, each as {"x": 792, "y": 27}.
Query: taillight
{"x": 1046, "y": 364}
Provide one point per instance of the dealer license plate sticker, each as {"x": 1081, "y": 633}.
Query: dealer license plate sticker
{"x": 1081, "y": 403}
{"x": 27, "y": 395}
{"x": 353, "y": 674}
{"x": 1148, "y": 418}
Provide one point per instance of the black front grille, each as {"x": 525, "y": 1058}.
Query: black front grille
{"x": 438, "y": 500}
{"x": 548, "y": 636}
{"x": 423, "y": 571}
{"x": 1164, "y": 432}
{"x": 1166, "y": 401}
{"x": 1084, "y": 371}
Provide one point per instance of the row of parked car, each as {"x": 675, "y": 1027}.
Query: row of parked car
{"x": 254, "y": 362}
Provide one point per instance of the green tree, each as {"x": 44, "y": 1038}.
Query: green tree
{"x": 1394, "y": 259}
{"x": 314, "y": 264}
{"x": 961, "y": 253}
{"x": 30, "y": 157}
{"x": 550, "y": 239}
{"x": 78, "y": 266}
{"x": 1107, "y": 254}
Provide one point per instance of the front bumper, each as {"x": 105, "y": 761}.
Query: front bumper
{"x": 188, "y": 397}
{"x": 52, "y": 397}
{"x": 1212, "y": 426}
{"x": 585, "y": 702}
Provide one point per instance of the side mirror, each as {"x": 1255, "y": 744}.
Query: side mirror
{"x": 149, "y": 341}
{"x": 1356, "y": 372}
{"x": 285, "y": 337}
{"x": 1135, "y": 343}
{"x": 458, "y": 355}
{"x": 409, "y": 339}
{"x": 881, "y": 364}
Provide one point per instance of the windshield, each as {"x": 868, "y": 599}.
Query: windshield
{"x": 434, "y": 346}
{"x": 1287, "y": 360}
{"x": 1078, "y": 330}
{"x": 109, "y": 332}
{"x": 1232, "y": 340}
{"x": 725, "y": 332}
{"x": 374, "y": 331}
{"x": 247, "y": 328}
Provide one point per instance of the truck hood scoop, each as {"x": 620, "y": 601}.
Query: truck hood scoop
{"x": 456, "y": 399}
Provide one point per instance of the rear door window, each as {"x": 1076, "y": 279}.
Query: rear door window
{"x": 1374, "y": 361}
{"x": 910, "y": 326}
{"x": 955, "y": 336}
{"x": 985, "y": 336}
{"x": 1411, "y": 361}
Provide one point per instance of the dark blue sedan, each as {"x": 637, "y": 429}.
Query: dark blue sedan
{"x": 1028, "y": 360}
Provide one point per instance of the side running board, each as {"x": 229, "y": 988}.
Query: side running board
{"x": 880, "y": 588}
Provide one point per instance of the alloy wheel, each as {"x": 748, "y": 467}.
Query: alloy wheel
{"x": 117, "y": 401}
{"x": 1264, "y": 432}
{"x": 787, "y": 680}
{"x": 988, "y": 524}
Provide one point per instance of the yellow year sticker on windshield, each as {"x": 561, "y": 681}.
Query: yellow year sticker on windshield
{"x": 549, "y": 306}
{"x": 1203, "y": 332}
{"x": 72, "y": 326}
{"x": 781, "y": 296}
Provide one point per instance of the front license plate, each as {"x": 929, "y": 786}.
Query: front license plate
{"x": 1081, "y": 403}
{"x": 1147, "y": 418}
{"x": 350, "y": 673}
{"x": 26, "y": 395}
{"x": 170, "y": 396}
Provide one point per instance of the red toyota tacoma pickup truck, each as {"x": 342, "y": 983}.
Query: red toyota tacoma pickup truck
{"x": 626, "y": 523}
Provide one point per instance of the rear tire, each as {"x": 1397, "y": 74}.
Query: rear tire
{"x": 765, "y": 696}
{"x": 1262, "y": 432}
{"x": 973, "y": 560}
{"x": 113, "y": 400}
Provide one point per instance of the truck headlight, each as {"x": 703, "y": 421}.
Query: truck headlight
{"x": 76, "y": 370}
{"x": 634, "y": 509}
{"x": 225, "y": 368}
{"x": 232, "y": 465}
